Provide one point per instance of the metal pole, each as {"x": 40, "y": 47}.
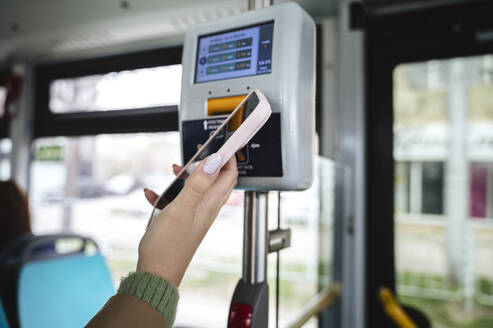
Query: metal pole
{"x": 457, "y": 181}
{"x": 255, "y": 237}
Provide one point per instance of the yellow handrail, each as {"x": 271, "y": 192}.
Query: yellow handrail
{"x": 394, "y": 309}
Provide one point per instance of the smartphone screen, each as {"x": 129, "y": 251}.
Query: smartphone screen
{"x": 212, "y": 145}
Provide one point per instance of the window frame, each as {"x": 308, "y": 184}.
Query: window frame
{"x": 390, "y": 40}
{"x": 132, "y": 120}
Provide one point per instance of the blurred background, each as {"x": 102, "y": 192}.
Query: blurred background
{"x": 403, "y": 188}
{"x": 443, "y": 123}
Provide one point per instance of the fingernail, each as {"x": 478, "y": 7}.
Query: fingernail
{"x": 212, "y": 164}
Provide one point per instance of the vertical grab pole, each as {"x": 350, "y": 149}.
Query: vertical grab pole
{"x": 255, "y": 237}
{"x": 250, "y": 304}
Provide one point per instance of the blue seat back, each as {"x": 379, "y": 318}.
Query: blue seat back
{"x": 65, "y": 291}
{"x": 11, "y": 260}
{"x": 3, "y": 318}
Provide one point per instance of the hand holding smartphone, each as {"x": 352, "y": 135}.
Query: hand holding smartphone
{"x": 232, "y": 135}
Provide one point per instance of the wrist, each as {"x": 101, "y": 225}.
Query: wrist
{"x": 170, "y": 273}
{"x": 159, "y": 293}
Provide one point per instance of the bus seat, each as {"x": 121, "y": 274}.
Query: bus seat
{"x": 10, "y": 263}
{"x": 63, "y": 292}
{"x": 3, "y": 317}
{"x": 58, "y": 280}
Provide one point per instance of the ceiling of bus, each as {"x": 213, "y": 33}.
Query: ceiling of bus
{"x": 48, "y": 27}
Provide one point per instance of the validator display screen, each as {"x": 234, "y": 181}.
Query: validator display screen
{"x": 240, "y": 52}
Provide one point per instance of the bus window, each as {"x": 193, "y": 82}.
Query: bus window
{"x": 94, "y": 186}
{"x": 443, "y": 153}
{"x": 140, "y": 88}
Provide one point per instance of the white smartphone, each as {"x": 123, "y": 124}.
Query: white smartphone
{"x": 232, "y": 135}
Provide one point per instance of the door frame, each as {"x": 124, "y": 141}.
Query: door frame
{"x": 456, "y": 30}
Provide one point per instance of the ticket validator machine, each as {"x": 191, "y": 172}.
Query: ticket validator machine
{"x": 273, "y": 50}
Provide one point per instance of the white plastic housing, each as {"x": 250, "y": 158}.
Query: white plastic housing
{"x": 289, "y": 88}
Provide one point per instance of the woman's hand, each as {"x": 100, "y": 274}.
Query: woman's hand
{"x": 171, "y": 240}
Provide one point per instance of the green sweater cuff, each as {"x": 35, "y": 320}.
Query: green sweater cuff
{"x": 159, "y": 293}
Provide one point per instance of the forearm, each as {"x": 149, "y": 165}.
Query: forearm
{"x": 167, "y": 248}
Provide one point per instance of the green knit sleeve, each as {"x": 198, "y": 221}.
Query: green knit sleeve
{"x": 159, "y": 293}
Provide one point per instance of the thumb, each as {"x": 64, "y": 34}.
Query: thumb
{"x": 200, "y": 180}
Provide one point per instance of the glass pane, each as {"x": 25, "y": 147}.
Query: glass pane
{"x": 140, "y": 88}
{"x": 443, "y": 152}
{"x": 306, "y": 266}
